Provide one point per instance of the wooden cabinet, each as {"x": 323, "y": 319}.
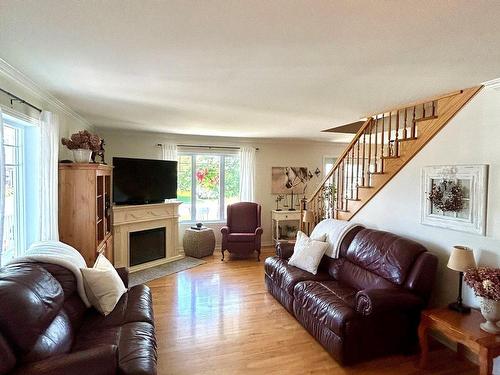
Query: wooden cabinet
{"x": 85, "y": 209}
{"x": 285, "y": 225}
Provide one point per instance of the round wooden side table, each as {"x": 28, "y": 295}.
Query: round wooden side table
{"x": 199, "y": 243}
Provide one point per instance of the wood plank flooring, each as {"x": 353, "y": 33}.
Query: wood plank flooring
{"x": 219, "y": 319}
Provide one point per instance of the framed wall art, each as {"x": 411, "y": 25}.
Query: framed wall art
{"x": 455, "y": 197}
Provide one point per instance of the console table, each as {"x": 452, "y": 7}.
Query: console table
{"x": 279, "y": 218}
{"x": 464, "y": 330}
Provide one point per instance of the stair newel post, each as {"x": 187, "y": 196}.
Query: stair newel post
{"x": 396, "y": 141}
{"x": 389, "y": 152}
{"x": 375, "y": 160}
{"x": 357, "y": 168}
{"x": 414, "y": 123}
{"x": 363, "y": 159}
{"x": 345, "y": 171}
{"x": 405, "y": 133}
{"x": 337, "y": 191}
{"x": 382, "y": 143}
{"x": 369, "y": 152}
{"x": 351, "y": 188}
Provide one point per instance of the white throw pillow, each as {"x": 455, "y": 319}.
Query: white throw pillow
{"x": 307, "y": 253}
{"x": 103, "y": 285}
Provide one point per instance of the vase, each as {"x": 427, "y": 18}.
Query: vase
{"x": 82, "y": 155}
{"x": 491, "y": 312}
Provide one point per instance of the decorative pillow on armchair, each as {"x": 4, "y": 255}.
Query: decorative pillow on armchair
{"x": 307, "y": 253}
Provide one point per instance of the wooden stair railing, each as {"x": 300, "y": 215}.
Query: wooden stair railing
{"x": 382, "y": 146}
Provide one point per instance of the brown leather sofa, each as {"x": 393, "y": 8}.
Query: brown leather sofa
{"x": 45, "y": 328}
{"x": 364, "y": 304}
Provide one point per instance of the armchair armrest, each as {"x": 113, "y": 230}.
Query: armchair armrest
{"x": 374, "y": 301}
{"x": 225, "y": 230}
{"x": 123, "y": 273}
{"x": 284, "y": 250}
{"x": 258, "y": 231}
{"x": 101, "y": 360}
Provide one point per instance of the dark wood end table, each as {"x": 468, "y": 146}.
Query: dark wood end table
{"x": 464, "y": 330}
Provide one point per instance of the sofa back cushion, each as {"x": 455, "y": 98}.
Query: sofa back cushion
{"x": 377, "y": 259}
{"x": 37, "y": 317}
{"x": 8, "y": 359}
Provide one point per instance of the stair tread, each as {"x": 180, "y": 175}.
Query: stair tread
{"x": 407, "y": 139}
{"x": 426, "y": 118}
{"x": 339, "y": 210}
{"x": 365, "y": 187}
{"x": 376, "y": 172}
{"x": 353, "y": 199}
{"x": 390, "y": 157}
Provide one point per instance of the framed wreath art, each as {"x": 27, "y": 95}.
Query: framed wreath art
{"x": 454, "y": 197}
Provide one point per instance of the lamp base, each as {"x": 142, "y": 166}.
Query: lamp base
{"x": 459, "y": 307}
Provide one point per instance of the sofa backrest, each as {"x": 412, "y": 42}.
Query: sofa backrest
{"x": 243, "y": 217}
{"x": 377, "y": 259}
{"x": 40, "y": 310}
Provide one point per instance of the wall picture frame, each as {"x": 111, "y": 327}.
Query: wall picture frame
{"x": 473, "y": 182}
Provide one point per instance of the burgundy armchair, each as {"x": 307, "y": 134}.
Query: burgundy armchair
{"x": 242, "y": 233}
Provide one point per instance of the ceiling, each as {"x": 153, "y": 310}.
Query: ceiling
{"x": 271, "y": 68}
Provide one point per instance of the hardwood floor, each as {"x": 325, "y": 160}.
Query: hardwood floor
{"x": 219, "y": 319}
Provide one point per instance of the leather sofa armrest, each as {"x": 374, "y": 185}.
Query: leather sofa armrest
{"x": 375, "y": 301}
{"x": 259, "y": 231}
{"x": 224, "y": 230}
{"x": 123, "y": 273}
{"x": 101, "y": 360}
{"x": 284, "y": 250}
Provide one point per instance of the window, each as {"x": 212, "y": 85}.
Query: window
{"x": 207, "y": 183}
{"x": 21, "y": 182}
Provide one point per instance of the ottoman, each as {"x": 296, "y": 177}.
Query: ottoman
{"x": 198, "y": 243}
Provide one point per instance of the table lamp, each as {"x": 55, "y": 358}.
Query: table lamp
{"x": 308, "y": 217}
{"x": 461, "y": 259}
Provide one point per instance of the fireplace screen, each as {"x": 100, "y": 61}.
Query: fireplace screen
{"x": 147, "y": 245}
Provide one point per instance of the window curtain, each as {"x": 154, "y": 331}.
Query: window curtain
{"x": 247, "y": 174}
{"x": 49, "y": 153}
{"x": 169, "y": 151}
{"x": 2, "y": 186}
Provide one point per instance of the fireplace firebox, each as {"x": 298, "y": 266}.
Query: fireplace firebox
{"x": 147, "y": 246}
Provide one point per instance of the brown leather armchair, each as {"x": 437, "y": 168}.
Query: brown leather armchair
{"x": 46, "y": 329}
{"x": 243, "y": 231}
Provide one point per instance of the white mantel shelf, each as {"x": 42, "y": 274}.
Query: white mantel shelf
{"x": 133, "y": 218}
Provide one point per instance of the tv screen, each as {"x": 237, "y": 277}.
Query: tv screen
{"x": 143, "y": 181}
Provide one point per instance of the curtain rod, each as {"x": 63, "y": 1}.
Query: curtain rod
{"x": 209, "y": 147}
{"x": 18, "y": 99}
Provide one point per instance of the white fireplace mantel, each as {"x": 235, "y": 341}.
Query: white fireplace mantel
{"x": 127, "y": 219}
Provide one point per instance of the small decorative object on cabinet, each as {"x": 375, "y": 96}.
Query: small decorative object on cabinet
{"x": 461, "y": 259}
{"x": 280, "y": 221}
{"x": 99, "y": 153}
{"x": 83, "y": 144}
{"x": 463, "y": 329}
{"x": 454, "y": 197}
{"x": 84, "y": 209}
{"x": 485, "y": 281}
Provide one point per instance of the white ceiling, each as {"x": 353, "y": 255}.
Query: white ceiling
{"x": 248, "y": 68}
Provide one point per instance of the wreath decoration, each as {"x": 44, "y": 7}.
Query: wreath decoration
{"x": 447, "y": 196}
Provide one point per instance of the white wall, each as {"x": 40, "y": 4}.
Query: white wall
{"x": 271, "y": 153}
{"x": 472, "y": 137}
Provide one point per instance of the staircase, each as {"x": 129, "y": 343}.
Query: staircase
{"x": 380, "y": 149}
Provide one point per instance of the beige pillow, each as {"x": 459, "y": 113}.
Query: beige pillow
{"x": 103, "y": 285}
{"x": 307, "y": 253}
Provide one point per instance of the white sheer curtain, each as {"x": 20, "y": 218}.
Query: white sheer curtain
{"x": 247, "y": 174}
{"x": 49, "y": 131}
{"x": 2, "y": 186}
{"x": 169, "y": 151}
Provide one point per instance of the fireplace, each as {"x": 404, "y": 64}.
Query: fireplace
{"x": 147, "y": 245}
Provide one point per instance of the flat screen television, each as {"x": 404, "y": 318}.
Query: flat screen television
{"x": 143, "y": 181}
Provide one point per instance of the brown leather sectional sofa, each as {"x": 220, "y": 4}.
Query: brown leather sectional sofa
{"x": 364, "y": 304}
{"x": 45, "y": 328}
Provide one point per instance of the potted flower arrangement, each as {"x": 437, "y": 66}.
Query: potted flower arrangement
{"x": 485, "y": 281}
{"x": 82, "y": 144}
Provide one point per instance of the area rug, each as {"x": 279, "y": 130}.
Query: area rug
{"x": 141, "y": 277}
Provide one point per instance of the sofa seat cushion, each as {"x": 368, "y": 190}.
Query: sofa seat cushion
{"x": 134, "y": 306}
{"x": 241, "y": 237}
{"x": 135, "y": 341}
{"x": 328, "y": 302}
{"x": 286, "y": 276}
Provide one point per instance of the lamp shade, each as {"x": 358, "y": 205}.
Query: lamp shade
{"x": 461, "y": 259}
{"x": 308, "y": 217}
